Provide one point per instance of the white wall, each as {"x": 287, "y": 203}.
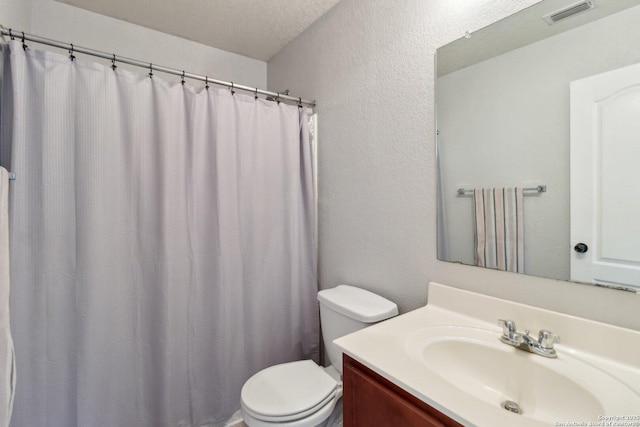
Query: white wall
{"x": 62, "y": 22}
{"x": 16, "y": 14}
{"x": 369, "y": 64}
{"x": 505, "y": 122}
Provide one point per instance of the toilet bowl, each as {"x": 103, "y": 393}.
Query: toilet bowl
{"x": 301, "y": 393}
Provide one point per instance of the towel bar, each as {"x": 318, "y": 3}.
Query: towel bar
{"x": 538, "y": 189}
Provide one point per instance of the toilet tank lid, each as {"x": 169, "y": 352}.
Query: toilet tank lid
{"x": 357, "y": 303}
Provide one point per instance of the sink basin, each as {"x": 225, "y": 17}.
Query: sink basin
{"x": 566, "y": 388}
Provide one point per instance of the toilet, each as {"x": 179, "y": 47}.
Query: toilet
{"x": 301, "y": 393}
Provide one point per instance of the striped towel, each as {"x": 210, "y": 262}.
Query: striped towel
{"x": 499, "y": 222}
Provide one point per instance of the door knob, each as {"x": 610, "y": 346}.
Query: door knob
{"x": 581, "y": 248}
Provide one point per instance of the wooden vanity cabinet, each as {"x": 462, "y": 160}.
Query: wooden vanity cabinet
{"x": 370, "y": 400}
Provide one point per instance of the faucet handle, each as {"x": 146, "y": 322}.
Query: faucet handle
{"x": 547, "y": 339}
{"x": 508, "y": 327}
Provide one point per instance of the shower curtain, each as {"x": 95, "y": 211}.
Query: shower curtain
{"x": 162, "y": 243}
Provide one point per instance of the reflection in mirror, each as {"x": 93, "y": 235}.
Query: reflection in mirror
{"x": 551, "y": 109}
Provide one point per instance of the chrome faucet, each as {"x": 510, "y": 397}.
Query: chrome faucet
{"x": 543, "y": 346}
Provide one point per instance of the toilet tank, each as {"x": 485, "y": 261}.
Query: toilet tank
{"x": 346, "y": 309}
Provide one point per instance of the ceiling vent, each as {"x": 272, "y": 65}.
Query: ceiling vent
{"x": 568, "y": 11}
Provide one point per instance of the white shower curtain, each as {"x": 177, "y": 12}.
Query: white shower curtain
{"x": 161, "y": 243}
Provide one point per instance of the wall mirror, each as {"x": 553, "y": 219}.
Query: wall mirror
{"x": 546, "y": 102}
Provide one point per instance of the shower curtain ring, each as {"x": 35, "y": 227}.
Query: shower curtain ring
{"x": 24, "y": 45}
{"x": 300, "y": 102}
{"x": 113, "y": 62}
{"x": 206, "y": 82}
{"x": 71, "y": 55}
{"x": 278, "y": 98}
{"x": 150, "y": 70}
{"x": 255, "y": 95}
{"x": 182, "y": 79}
{"x": 11, "y": 34}
{"x": 233, "y": 92}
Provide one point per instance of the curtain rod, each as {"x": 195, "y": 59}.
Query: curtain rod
{"x": 151, "y": 67}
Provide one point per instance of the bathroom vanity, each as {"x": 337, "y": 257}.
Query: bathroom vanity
{"x": 445, "y": 365}
{"x": 370, "y": 399}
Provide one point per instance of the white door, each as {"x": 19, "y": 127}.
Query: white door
{"x": 605, "y": 178}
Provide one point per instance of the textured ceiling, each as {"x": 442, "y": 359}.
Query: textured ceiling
{"x": 254, "y": 28}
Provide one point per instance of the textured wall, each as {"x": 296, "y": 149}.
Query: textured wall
{"x": 369, "y": 63}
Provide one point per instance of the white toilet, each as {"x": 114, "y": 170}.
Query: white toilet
{"x": 303, "y": 394}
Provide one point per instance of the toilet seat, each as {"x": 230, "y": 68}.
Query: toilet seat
{"x": 293, "y": 416}
{"x": 290, "y": 393}
{"x": 314, "y": 420}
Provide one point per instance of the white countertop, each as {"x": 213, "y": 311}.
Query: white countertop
{"x": 383, "y": 348}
